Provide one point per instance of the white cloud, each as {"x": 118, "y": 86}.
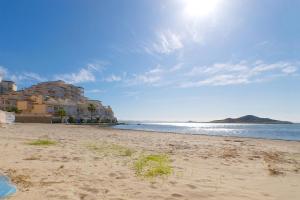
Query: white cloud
{"x": 147, "y": 78}
{"x": 167, "y": 43}
{"x": 20, "y": 77}
{"x": 218, "y": 80}
{"x": 3, "y": 72}
{"x": 156, "y": 76}
{"x": 27, "y": 76}
{"x": 217, "y": 68}
{"x": 86, "y": 74}
{"x": 289, "y": 69}
{"x": 83, "y": 75}
{"x": 113, "y": 78}
{"x": 97, "y": 66}
{"x": 150, "y": 77}
{"x": 176, "y": 67}
{"x": 218, "y": 74}
{"x": 240, "y": 73}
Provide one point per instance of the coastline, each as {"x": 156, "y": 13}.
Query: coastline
{"x": 194, "y": 134}
{"x": 204, "y": 166}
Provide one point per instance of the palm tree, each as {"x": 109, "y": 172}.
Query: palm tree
{"x": 61, "y": 112}
{"x": 14, "y": 109}
{"x": 92, "y": 109}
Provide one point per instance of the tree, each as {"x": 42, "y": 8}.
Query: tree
{"x": 61, "y": 112}
{"x": 91, "y": 109}
{"x": 14, "y": 109}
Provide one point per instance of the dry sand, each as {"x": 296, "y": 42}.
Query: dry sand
{"x": 204, "y": 167}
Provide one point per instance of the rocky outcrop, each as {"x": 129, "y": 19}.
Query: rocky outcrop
{"x": 251, "y": 119}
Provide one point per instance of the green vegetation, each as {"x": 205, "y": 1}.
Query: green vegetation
{"x": 14, "y": 109}
{"x": 153, "y": 166}
{"x": 91, "y": 109}
{"x": 61, "y": 113}
{"x": 71, "y": 120}
{"x": 43, "y": 142}
{"x": 111, "y": 149}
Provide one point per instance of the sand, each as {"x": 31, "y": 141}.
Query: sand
{"x": 204, "y": 167}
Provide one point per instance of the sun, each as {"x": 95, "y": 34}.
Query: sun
{"x": 200, "y": 8}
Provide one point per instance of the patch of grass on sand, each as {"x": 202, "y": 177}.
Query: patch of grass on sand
{"x": 153, "y": 165}
{"x": 111, "y": 149}
{"x": 273, "y": 171}
{"x": 273, "y": 159}
{"x": 42, "y": 142}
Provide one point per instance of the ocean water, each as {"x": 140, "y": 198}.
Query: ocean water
{"x": 268, "y": 131}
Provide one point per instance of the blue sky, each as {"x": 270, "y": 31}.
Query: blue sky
{"x": 161, "y": 59}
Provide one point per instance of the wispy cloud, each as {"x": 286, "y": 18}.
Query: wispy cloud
{"x": 97, "y": 65}
{"x": 166, "y": 43}
{"x": 218, "y": 74}
{"x": 156, "y": 76}
{"x": 83, "y": 75}
{"x": 150, "y": 77}
{"x": 86, "y": 74}
{"x": 20, "y": 77}
{"x": 3, "y": 72}
{"x": 239, "y": 73}
{"x": 176, "y": 67}
{"x": 113, "y": 78}
{"x": 27, "y": 76}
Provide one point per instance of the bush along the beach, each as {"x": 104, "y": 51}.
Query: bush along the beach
{"x": 111, "y": 149}
{"x": 42, "y": 142}
{"x": 153, "y": 165}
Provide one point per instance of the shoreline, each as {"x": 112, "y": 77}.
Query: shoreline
{"x": 193, "y": 134}
{"x": 85, "y": 163}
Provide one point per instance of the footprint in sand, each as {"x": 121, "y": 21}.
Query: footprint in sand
{"x": 173, "y": 182}
{"x": 153, "y": 187}
{"x": 112, "y": 174}
{"x": 176, "y": 195}
{"x": 91, "y": 190}
{"x": 191, "y": 186}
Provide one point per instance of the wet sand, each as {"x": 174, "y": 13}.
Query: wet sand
{"x": 204, "y": 167}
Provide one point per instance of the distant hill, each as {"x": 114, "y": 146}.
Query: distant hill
{"x": 251, "y": 119}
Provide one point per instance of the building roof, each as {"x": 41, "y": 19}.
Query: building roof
{"x": 8, "y": 81}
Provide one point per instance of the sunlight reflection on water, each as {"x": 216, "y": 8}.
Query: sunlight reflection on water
{"x": 270, "y": 131}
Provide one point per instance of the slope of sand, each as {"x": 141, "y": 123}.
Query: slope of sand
{"x": 204, "y": 167}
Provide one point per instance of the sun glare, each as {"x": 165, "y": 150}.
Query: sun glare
{"x": 200, "y": 8}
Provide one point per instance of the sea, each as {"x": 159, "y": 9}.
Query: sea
{"x": 266, "y": 131}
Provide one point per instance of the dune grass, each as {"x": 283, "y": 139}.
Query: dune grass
{"x": 42, "y": 142}
{"x": 153, "y": 165}
{"x": 111, "y": 149}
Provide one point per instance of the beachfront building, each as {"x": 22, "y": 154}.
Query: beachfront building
{"x": 7, "y": 86}
{"x": 44, "y": 100}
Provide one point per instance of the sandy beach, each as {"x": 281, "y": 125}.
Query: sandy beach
{"x": 87, "y": 163}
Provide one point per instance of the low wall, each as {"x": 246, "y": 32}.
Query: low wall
{"x": 6, "y": 117}
{"x": 33, "y": 119}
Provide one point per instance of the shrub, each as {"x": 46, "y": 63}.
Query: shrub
{"x": 43, "y": 142}
{"x": 111, "y": 149}
{"x": 153, "y": 165}
{"x": 71, "y": 120}
{"x": 14, "y": 109}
